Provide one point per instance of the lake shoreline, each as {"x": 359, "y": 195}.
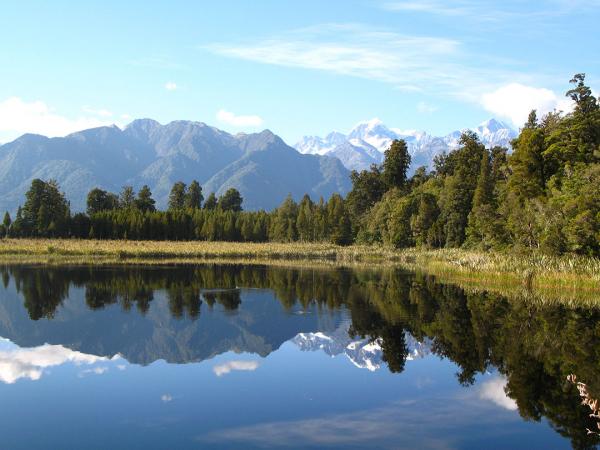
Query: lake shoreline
{"x": 572, "y": 278}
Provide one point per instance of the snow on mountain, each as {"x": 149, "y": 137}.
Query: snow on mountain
{"x": 314, "y": 145}
{"x": 367, "y": 141}
{"x": 363, "y": 353}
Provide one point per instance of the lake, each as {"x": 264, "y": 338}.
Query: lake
{"x": 242, "y": 356}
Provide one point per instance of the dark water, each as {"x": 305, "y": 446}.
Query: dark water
{"x": 254, "y": 357}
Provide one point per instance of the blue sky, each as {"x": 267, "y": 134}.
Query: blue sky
{"x": 295, "y": 67}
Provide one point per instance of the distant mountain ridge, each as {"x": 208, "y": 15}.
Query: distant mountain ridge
{"x": 366, "y": 143}
{"x": 260, "y": 165}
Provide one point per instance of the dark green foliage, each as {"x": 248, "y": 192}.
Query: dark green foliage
{"x": 5, "y": 226}
{"x": 544, "y": 195}
{"x": 396, "y": 164}
{"x": 45, "y": 213}
{"x": 194, "y": 198}
{"x": 100, "y": 200}
{"x": 211, "y": 201}
{"x": 367, "y": 189}
{"x": 144, "y": 201}
{"x": 231, "y": 200}
{"x": 177, "y": 196}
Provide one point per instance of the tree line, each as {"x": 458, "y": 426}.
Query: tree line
{"x": 189, "y": 216}
{"x": 544, "y": 195}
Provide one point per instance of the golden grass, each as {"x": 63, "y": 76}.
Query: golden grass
{"x": 573, "y": 279}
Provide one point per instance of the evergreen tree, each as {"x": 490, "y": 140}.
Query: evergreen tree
{"x": 304, "y": 222}
{"x": 177, "y": 196}
{"x": 283, "y": 225}
{"x": 367, "y": 189}
{"x": 194, "y": 198}
{"x": 144, "y": 201}
{"x": 338, "y": 217}
{"x": 211, "y": 202}
{"x": 6, "y": 223}
{"x": 396, "y": 164}
{"x": 459, "y": 187}
{"x": 231, "y": 200}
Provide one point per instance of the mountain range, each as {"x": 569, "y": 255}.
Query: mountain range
{"x": 261, "y": 165}
{"x": 366, "y": 143}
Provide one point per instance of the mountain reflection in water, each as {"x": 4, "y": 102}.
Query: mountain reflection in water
{"x": 101, "y": 319}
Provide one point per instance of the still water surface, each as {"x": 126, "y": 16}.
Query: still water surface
{"x": 231, "y": 356}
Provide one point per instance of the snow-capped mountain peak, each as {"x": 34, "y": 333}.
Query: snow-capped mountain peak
{"x": 367, "y": 142}
{"x": 363, "y": 353}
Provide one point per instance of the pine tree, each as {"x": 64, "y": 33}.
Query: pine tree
{"x": 211, "y": 202}
{"x": 231, "y": 200}
{"x": 177, "y": 196}
{"x": 304, "y": 222}
{"x": 144, "y": 201}
{"x": 194, "y": 198}
{"x": 6, "y": 223}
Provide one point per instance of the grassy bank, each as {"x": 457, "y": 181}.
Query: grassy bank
{"x": 569, "y": 278}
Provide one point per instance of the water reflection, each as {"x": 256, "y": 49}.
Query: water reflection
{"x": 374, "y": 318}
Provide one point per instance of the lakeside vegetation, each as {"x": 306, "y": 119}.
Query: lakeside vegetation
{"x": 569, "y": 278}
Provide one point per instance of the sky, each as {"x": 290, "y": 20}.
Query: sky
{"x": 295, "y": 67}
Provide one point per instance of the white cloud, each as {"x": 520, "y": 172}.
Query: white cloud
{"x": 426, "y": 108}
{"x": 224, "y": 369}
{"x": 493, "y": 390}
{"x": 17, "y": 363}
{"x": 515, "y": 101}
{"x": 170, "y": 86}
{"x": 18, "y": 117}
{"x": 166, "y": 398}
{"x": 238, "y": 121}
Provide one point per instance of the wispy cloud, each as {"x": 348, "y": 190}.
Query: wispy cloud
{"x": 502, "y": 13}
{"x": 238, "y": 120}
{"x": 224, "y": 369}
{"x": 408, "y": 62}
{"x": 170, "y": 86}
{"x": 400, "y": 423}
{"x": 431, "y": 7}
{"x": 166, "y": 398}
